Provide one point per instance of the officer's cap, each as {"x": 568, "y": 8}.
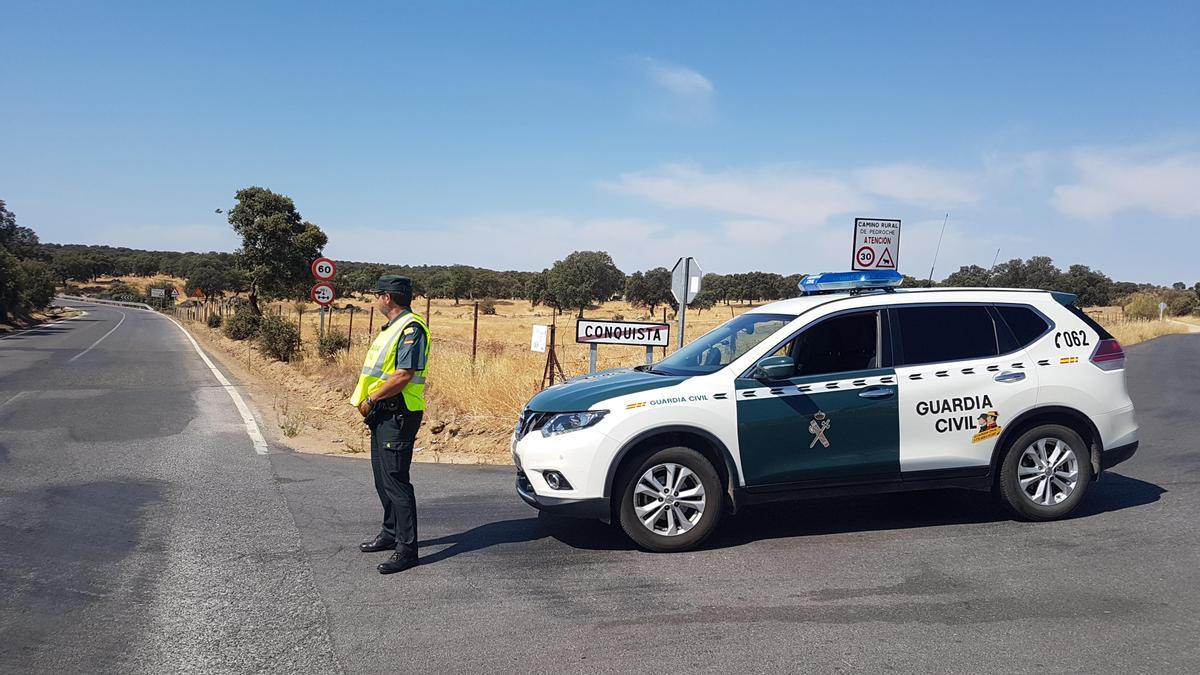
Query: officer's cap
{"x": 392, "y": 283}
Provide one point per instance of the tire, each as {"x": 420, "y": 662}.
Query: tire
{"x": 1026, "y": 458}
{"x": 674, "y": 524}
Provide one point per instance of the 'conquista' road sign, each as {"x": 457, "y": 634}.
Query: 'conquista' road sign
{"x": 595, "y": 332}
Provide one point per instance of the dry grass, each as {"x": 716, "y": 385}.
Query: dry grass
{"x": 1129, "y": 331}
{"x": 505, "y": 373}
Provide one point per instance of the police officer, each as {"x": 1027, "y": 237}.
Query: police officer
{"x": 391, "y": 397}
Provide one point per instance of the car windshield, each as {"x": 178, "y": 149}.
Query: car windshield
{"x": 719, "y": 347}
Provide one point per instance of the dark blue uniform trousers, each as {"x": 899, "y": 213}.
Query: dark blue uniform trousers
{"x": 392, "y": 437}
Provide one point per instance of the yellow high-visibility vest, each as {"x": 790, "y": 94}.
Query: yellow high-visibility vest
{"x": 380, "y": 363}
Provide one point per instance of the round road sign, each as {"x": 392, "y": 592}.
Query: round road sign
{"x": 322, "y": 294}
{"x": 866, "y": 256}
{"x": 323, "y": 269}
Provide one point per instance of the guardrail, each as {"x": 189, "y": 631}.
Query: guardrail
{"x": 99, "y": 301}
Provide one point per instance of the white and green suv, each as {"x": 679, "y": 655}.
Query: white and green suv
{"x": 867, "y": 389}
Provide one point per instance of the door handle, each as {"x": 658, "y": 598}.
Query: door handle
{"x": 877, "y": 393}
{"x": 1009, "y": 376}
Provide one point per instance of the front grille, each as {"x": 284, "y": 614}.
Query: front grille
{"x": 531, "y": 421}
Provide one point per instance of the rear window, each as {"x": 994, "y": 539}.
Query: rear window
{"x": 946, "y": 333}
{"x": 1104, "y": 335}
{"x": 1026, "y": 325}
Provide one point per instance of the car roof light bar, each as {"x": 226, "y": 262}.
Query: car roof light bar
{"x": 833, "y": 282}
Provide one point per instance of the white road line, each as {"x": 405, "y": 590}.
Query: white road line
{"x": 14, "y": 397}
{"x": 256, "y": 437}
{"x": 114, "y": 328}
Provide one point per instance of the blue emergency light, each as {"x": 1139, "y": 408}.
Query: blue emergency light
{"x": 828, "y": 282}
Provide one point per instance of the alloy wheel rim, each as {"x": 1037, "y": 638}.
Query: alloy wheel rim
{"x": 669, "y": 499}
{"x": 1048, "y": 472}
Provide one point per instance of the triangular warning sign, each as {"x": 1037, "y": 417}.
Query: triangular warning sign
{"x": 885, "y": 259}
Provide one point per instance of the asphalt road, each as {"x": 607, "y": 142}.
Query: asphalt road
{"x": 140, "y": 532}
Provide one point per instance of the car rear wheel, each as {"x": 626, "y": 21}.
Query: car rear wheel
{"x": 1045, "y": 473}
{"x": 671, "y": 500}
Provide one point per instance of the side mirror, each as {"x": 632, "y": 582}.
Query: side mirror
{"x": 775, "y": 368}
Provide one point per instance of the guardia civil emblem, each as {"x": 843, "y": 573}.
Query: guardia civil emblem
{"x": 817, "y": 426}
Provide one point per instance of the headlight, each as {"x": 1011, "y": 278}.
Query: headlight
{"x": 564, "y": 422}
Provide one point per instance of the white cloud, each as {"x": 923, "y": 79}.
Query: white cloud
{"x": 676, "y": 92}
{"x": 785, "y": 194}
{"x": 524, "y": 241}
{"x": 772, "y": 194}
{"x": 679, "y": 81}
{"x": 918, "y": 185}
{"x": 1110, "y": 182}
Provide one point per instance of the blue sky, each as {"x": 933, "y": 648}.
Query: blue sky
{"x": 507, "y": 135}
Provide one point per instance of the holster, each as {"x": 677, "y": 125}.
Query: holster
{"x": 382, "y": 409}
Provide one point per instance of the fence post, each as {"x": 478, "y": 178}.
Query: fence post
{"x": 300, "y": 320}
{"x": 474, "y": 336}
{"x": 350, "y": 330}
{"x": 371, "y": 323}
{"x": 426, "y": 310}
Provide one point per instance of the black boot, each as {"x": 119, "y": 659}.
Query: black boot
{"x": 397, "y": 563}
{"x": 381, "y": 542}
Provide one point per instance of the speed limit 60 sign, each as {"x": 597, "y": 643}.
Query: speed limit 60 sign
{"x": 323, "y": 269}
{"x": 322, "y": 294}
{"x": 876, "y": 244}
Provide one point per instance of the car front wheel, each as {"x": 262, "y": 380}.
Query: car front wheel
{"x": 671, "y": 501}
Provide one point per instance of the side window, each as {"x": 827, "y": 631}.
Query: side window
{"x": 946, "y": 333}
{"x": 1026, "y": 325}
{"x": 838, "y": 345}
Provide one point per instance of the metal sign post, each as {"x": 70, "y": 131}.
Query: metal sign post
{"x": 1162, "y": 306}
{"x": 322, "y": 293}
{"x": 686, "y": 278}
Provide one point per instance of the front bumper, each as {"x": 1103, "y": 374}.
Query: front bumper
{"x": 595, "y": 509}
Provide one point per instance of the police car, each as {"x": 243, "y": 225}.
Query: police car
{"x": 856, "y": 386}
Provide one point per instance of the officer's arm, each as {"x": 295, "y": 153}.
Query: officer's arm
{"x": 393, "y": 385}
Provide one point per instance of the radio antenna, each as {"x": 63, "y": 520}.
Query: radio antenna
{"x": 939, "y": 247}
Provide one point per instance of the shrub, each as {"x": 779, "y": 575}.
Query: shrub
{"x": 278, "y": 338}
{"x": 243, "y": 325}
{"x": 332, "y": 342}
{"x": 1181, "y": 303}
{"x": 487, "y": 306}
{"x": 213, "y": 320}
{"x": 119, "y": 290}
{"x": 1141, "y": 306}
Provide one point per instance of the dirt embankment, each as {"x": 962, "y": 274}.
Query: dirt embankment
{"x": 17, "y": 324}
{"x": 310, "y": 412}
